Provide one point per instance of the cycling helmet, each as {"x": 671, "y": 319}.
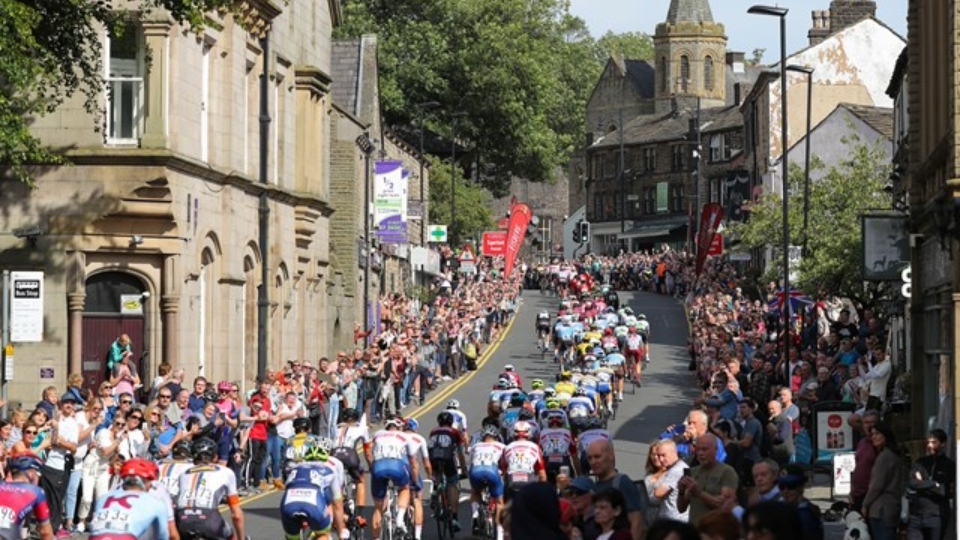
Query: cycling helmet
{"x": 553, "y": 404}
{"x": 503, "y": 383}
{"x": 525, "y": 414}
{"x": 490, "y": 431}
{"x": 445, "y": 419}
{"x": 565, "y": 375}
{"x": 490, "y": 422}
{"x": 204, "y": 447}
{"x": 628, "y": 310}
{"x": 508, "y": 367}
{"x": 642, "y": 317}
{"x": 517, "y": 400}
{"x": 183, "y": 450}
{"x": 579, "y": 392}
{"x": 549, "y": 391}
{"x": 315, "y": 452}
{"x": 394, "y": 422}
{"x": 301, "y": 425}
{"x": 577, "y": 370}
{"x": 521, "y": 430}
{"x": 411, "y": 425}
{"x": 140, "y": 468}
{"x": 224, "y": 387}
{"x": 536, "y": 384}
{"x": 453, "y": 404}
{"x": 350, "y": 415}
{"x": 24, "y": 462}
{"x": 555, "y": 421}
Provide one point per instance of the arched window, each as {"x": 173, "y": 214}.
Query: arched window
{"x": 684, "y": 73}
{"x": 664, "y": 76}
{"x": 708, "y": 73}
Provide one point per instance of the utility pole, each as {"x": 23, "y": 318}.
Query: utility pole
{"x": 453, "y": 174}
{"x": 623, "y": 179}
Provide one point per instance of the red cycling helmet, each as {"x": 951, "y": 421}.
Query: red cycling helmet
{"x": 224, "y": 387}
{"x": 141, "y": 468}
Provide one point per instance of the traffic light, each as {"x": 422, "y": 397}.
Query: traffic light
{"x": 577, "y": 237}
{"x": 584, "y": 231}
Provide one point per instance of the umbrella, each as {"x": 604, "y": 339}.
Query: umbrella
{"x": 797, "y": 299}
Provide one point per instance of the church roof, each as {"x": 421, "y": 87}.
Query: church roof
{"x": 697, "y": 11}
{"x": 641, "y": 75}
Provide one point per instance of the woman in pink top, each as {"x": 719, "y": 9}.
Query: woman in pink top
{"x": 125, "y": 378}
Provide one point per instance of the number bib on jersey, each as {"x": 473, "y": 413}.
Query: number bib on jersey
{"x": 301, "y": 495}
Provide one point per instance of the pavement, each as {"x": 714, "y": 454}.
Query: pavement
{"x": 664, "y": 399}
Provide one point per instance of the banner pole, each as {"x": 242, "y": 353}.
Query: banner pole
{"x": 5, "y": 336}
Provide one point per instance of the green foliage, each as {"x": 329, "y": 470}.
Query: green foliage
{"x": 472, "y": 204}
{"x": 757, "y": 57}
{"x": 520, "y": 69}
{"x": 629, "y": 45}
{"x": 837, "y": 200}
{"x": 51, "y": 50}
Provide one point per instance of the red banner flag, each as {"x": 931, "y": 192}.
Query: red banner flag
{"x": 710, "y": 218}
{"x": 494, "y": 243}
{"x": 519, "y": 220}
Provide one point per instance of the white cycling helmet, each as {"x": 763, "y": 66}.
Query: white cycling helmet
{"x": 453, "y": 404}
{"x": 508, "y": 367}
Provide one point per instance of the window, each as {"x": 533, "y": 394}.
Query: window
{"x": 718, "y": 148}
{"x": 123, "y": 75}
{"x": 649, "y": 200}
{"x": 684, "y": 72}
{"x": 708, "y": 73}
{"x": 678, "y": 157}
{"x": 676, "y": 198}
{"x": 664, "y": 76}
{"x": 649, "y": 159}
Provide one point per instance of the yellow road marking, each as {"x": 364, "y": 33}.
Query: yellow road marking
{"x": 437, "y": 398}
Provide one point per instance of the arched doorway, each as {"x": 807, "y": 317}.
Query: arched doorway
{"x": 114, "y": 306}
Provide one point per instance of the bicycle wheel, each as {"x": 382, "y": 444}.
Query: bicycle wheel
{"x": 614, "y": 406}
{"x": 440, "y": 513}
{"x": 389, "y": 522}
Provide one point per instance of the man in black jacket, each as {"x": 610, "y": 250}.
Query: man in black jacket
{"x": 930, "y": 490}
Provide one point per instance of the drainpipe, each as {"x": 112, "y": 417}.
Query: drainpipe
{"x": 263, "y": 302}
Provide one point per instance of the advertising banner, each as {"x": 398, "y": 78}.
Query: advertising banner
{"x": 389, "y": 196}
{"x": 832, "y": 434}
{"x": 710, "y": 219}
{"x": 519, "y": 220}
{"x": 494, "y": 244}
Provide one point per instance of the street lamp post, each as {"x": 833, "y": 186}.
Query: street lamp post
{"x": 366, "y": 146}
{"x": 781, "y": 13}
{"x": 453, "y": 172}
{"x": 806, "y": 154}
{"x": 422, "y": 109}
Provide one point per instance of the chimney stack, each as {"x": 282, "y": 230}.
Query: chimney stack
{"x": 735, "y": 61}
{"x": 846, "y": 13}
{"x": 821, "y": 26}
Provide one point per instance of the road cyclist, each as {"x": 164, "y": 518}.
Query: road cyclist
{"x": 392, "y": 462}
{"x": 21, "y": 498}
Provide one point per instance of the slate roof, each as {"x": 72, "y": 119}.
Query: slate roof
{"x": 641, "y": 75}
{"x": 697, "y": 11}
{"x": 879, "y": 118}
{"x": 748, "y": 77}
{"x": 649, "y": 129}
{"x": 345, "y": 73}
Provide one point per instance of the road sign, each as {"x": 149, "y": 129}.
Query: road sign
{"x": 437, "y": 233}
{"x": 468, "y": 262}
{"x": 494, "y": 243}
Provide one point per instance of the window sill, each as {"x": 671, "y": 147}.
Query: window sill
{"x": 124, "y": 143}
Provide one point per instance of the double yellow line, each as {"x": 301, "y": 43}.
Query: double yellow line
{"x": 430, "y": 403}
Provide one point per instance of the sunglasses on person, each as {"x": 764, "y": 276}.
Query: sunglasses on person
{"x": 126, "y": 402}
{"x": 135, "y": 417}
{"x": 30, "y": 432}
{"x": 165, "y": 396}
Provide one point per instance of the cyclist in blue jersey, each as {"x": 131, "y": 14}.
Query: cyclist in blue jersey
{"x": 130, "y": 512}
{"x": 310, "y": 489}
{"x": 20, "y": 498}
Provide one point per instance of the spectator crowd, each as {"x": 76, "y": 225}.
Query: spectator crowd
{"x": 84, "y": 434}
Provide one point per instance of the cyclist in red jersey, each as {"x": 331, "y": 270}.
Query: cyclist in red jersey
{"x": 21, "y": 498}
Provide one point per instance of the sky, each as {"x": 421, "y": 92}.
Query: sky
{"x": 744, "y": 32}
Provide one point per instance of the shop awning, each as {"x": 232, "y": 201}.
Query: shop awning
{"x": 652, "y": 230}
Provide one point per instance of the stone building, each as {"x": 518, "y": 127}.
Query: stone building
{"x": 927, "y": 148}
{"x": 548, "y": 201}
{"x": 645, "y": 116}
{"x": 851, "y": 65}
{"x": 153, "y": 230}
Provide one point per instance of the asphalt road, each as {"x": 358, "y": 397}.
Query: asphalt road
{"x": 664, "y": 399}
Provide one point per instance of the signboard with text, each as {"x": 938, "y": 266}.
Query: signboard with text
{"x": 390, "y": 193}
{"x": 494, "y": 244}
{"x": 26, "y": 307}
{"x": 716, "y": 246}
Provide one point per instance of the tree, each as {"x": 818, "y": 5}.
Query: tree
{"x": 516, "y": 67}
{"x": 51, "y": 51}
{"x": 757, "y": 58}
{"x": 832, "y": 264}
{"x": 473, "y": 204}
{"x": 628, "y": 45}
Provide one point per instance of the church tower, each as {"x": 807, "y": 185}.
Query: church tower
{"x": 690, "y": 57}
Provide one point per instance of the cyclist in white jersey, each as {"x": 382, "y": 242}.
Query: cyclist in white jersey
{"x": 459, "y": 418}
{"x": 485, "y": 457}
{"x": 523, "y": 459}
{"x": 130, "y": 512}
{"x": 202, "y": 488}
{"x": 422, "y": 458}
{"x": 160, "y": 491}
{"x": 352, "y": 438}
{"x": 393, "y": 461}
{"x": 643, "y": 327}
{"x": 170, "y": 471}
